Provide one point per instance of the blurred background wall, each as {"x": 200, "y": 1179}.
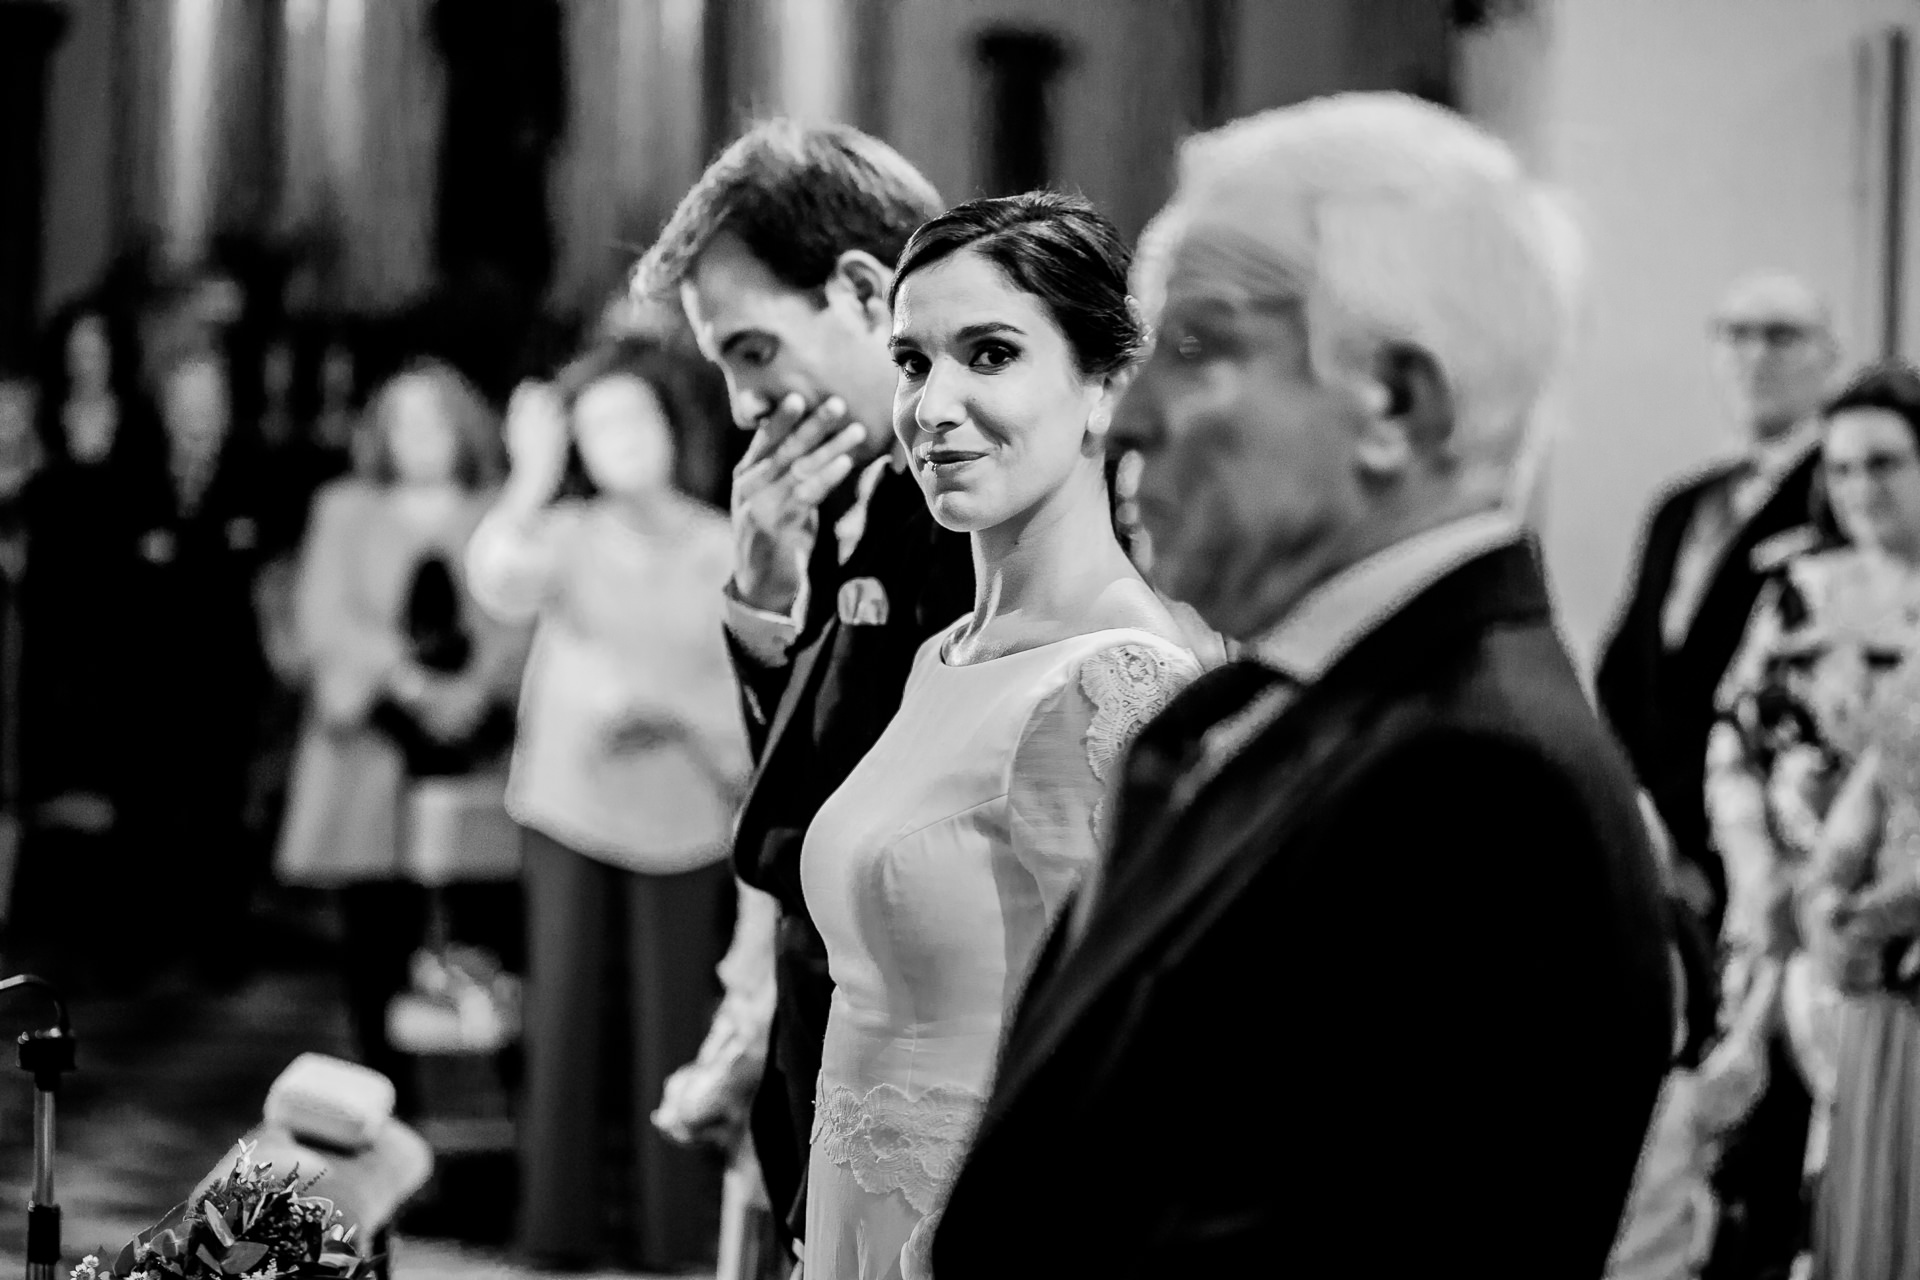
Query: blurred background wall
{"x": 1703, "y": 139}
{"x": 506, "y": 158}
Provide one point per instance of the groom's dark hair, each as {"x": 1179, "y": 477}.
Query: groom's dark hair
{"x": 798, "y": 196}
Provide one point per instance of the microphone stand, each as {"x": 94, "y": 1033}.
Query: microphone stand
{"x": 46, "y": 1056}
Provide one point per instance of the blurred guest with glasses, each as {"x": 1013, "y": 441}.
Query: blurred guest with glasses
{"x": 1693, "y": 591}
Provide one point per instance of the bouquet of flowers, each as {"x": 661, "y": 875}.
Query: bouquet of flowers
{"x": 249, "y": 1224}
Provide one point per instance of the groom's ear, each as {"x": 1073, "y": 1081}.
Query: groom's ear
{"x": 864, "y": 280}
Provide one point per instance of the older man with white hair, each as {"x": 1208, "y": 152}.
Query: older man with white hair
{"x": 1374, "y": 979}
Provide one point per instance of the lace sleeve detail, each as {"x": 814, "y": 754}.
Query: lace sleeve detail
{"x": 1067, "y": 755}
{"x": 1128, "y": 685}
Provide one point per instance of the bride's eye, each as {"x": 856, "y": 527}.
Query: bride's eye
{"x": 911, "y": 364}
{"x": 992, "y": 356}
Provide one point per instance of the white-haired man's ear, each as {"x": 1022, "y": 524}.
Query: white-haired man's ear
{"x": 1408, "y": 408}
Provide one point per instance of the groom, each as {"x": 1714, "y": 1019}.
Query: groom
{"x": 781, "y": 257}
{"x": 1373, "y": 981}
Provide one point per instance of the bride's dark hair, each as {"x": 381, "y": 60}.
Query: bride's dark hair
{"x": 1060, "y": 249}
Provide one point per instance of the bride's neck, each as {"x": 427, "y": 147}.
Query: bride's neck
{"x": 1039, "y": 563}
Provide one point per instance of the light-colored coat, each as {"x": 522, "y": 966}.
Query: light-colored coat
{"x": 345, "y": 813}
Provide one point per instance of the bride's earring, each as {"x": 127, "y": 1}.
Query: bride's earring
{"x": 1098, "y": 421}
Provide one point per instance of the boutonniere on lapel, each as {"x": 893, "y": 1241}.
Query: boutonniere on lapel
{"x": 863, "y": 603}
{"x": 157, "y": 546}
{"x": 242, "y": 534}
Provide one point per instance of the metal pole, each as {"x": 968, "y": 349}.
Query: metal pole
{"x": 46, "y": 1056}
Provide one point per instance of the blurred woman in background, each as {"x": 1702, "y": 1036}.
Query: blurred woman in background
{"x": 1799, "y": 710}
{"x": 1860, "y": 898}
{"x": 631, "y": 758}
{"x": 75, "y": 610}
{"x": 409, "y": 679}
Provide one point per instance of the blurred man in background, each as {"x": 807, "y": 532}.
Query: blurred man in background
{"x": 1688, "y": 605}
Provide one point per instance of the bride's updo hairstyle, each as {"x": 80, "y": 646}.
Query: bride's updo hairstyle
{"x": 1057, "y": 248}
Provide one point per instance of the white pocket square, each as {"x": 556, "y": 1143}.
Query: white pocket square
{"x": 863, "y": 603}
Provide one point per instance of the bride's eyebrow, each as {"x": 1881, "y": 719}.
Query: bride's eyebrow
{"x": 986, "y": 329}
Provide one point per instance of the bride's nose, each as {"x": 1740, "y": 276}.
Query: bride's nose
{"x": 941, "y": 406}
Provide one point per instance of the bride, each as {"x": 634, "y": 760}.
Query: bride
{"x": 938, "y": 866}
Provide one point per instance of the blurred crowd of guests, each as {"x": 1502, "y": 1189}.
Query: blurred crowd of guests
{"x": 282, "y": 614}
{"x": 316, "y": 650}
{"x": 1759, "y": 679}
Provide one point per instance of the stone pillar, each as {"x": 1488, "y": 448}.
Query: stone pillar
{"x": 195, "y": 128}
{"x": 505, "y": 112}
{"x": 637, "y": 124}
{"x": 29, "y": 29}
{"x": 360, "y": 125}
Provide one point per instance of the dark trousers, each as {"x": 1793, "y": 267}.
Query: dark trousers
{"x": 782, "y": 1119}
{"x": 621, "y": 989}
{"x": 1760, "y": 1182}
{"x": 383, "y": 922}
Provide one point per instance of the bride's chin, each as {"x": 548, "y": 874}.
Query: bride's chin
{"x": 957, "y": 513}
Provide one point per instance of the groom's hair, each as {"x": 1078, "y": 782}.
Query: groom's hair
{"x": 797, "y": 196}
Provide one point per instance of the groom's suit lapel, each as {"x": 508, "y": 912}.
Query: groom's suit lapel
{"x": 1196, "y": 852}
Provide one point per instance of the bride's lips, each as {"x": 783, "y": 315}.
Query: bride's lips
{"x": 937, "y": 460}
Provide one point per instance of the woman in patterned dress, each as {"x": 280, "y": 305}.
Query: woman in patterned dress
{"x": 1798, "y": 708}
{"x": 936, "y": 869}
{"x": 1860, "y": 906}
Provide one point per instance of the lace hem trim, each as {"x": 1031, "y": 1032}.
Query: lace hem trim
{"x": 892, "y": 1142}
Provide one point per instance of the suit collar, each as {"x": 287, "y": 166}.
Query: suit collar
{"x": 1336, "y": 615}
{"x": 1299, "y": 754}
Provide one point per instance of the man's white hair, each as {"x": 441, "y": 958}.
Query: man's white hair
{"x": 1395, "y": 221}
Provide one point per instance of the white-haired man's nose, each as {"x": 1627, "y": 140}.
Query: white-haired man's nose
{"x": 940, "y": 406}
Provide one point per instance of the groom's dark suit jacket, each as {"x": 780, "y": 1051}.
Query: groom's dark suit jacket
{"x": 809, "y": 721}
{"x": 1387, "y": 996}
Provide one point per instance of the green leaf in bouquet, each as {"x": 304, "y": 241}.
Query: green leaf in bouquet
{"x": 222, "y": 1229}
{"x": 242, "y": 1258}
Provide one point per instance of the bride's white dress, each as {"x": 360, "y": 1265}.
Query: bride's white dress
{"x": 933, "y": 873}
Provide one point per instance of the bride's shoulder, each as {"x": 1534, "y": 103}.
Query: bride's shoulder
{"x": 1128, "y": 604}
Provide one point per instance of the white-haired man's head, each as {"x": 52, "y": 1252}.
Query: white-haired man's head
{"x": 1360, "y": 301}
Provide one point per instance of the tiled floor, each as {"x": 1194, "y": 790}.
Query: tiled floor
{"x": 166, "y": 1085}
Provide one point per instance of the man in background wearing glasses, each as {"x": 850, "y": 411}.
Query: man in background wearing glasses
{"x": 1692, "y": 593}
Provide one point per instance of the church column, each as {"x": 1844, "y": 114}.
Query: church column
{"x": 29, "y": 30}
{"x": 359, "y": 124}
{"x": 639, "y": 91}
{"x": 194, "y": 143}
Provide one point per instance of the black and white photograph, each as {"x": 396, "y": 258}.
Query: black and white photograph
{"x": 960, "y": 639}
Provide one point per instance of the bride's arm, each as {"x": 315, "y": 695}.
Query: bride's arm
{"x": 1069, "y": 759}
